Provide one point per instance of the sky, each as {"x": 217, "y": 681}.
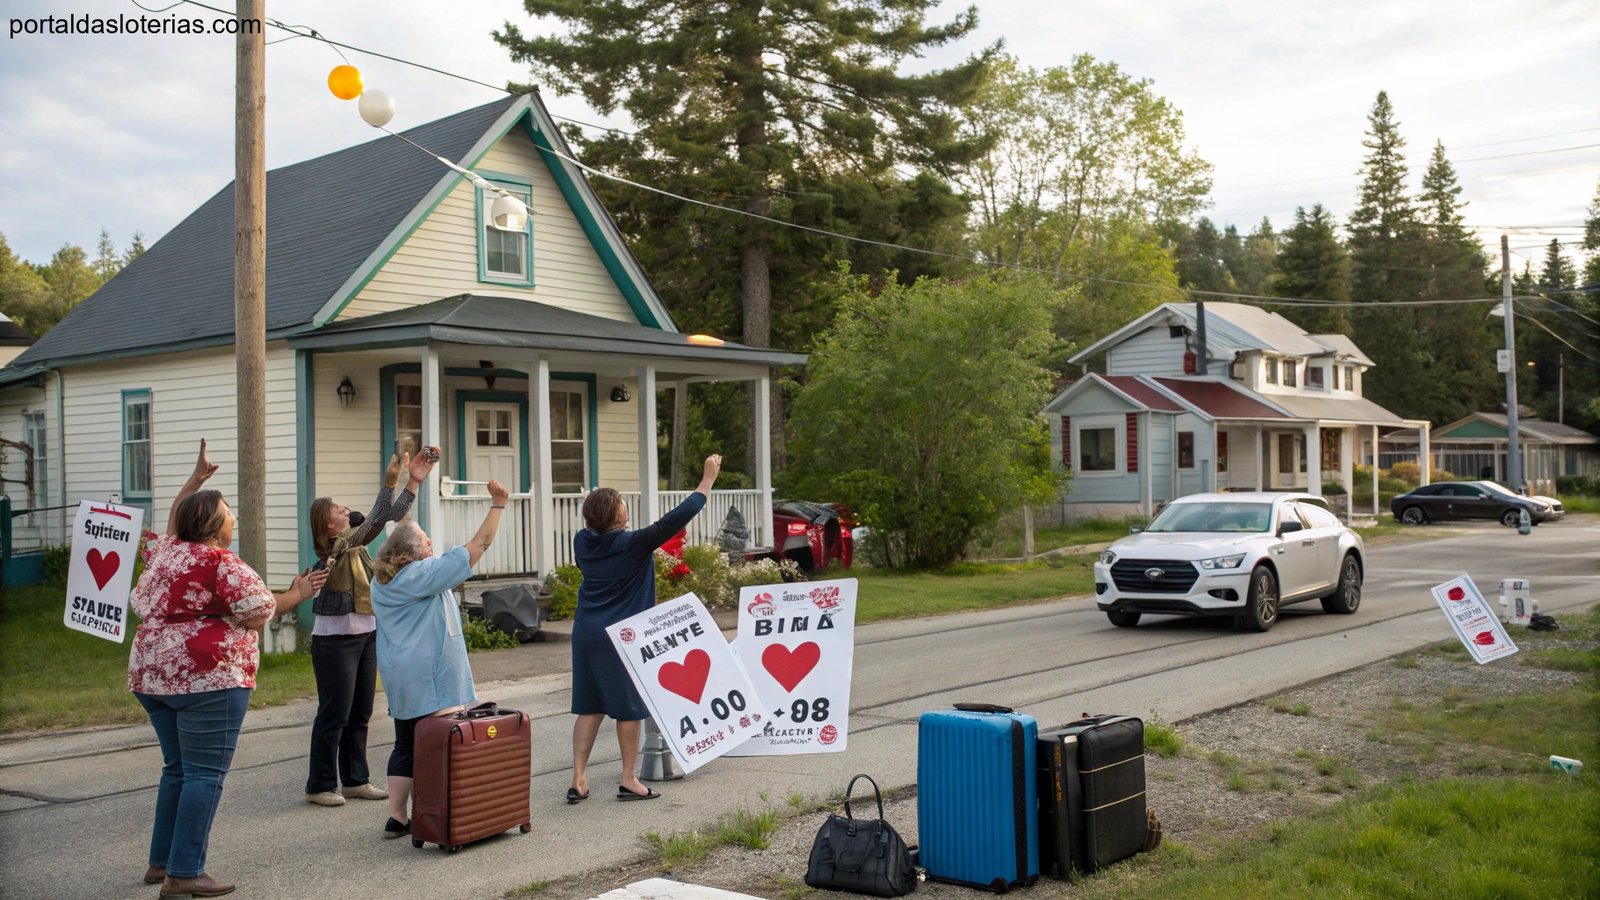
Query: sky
{"x": 132, "y": 132}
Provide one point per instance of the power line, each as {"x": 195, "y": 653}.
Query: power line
{"x": 1538, "y": 137}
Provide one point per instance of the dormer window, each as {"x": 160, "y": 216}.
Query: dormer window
{"x": 1272, "y": 370}
{"x": 504, "y": 257}
{"x": 1291, "y": 376}
{"x": 1349, "y": 378}
{"x": 1314, "y": 377}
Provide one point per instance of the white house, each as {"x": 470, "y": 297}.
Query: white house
{"x": 1271, "y": 408}
{"x": 395, "y": 317}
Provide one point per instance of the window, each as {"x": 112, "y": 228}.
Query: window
{"x": 1349, "y": 378}
{"x": 407, "y": 418}
{"x": 1314, "y": 377}
{"x": 1290, "y": 378}
{"x": 136, "y": 445}
{"x": 504, "y": 257}
{"x": 568, "y": 446}
{"x": 34, "y": 434}
{"x": 1272, "y": 370}
{"x": 1097, "y": 450}
{"x": 492, "y": 427}
{"x": 1287, "y": 444}
{"x": 1185, "y": 449}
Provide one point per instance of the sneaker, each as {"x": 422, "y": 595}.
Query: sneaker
{"x": 365, "y": 792}
{"x": 326, "y": 798}
{"x": 394, "y": 829}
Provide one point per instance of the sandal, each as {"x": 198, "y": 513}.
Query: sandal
{"x": 624, "y": 794}
{"x": 574, "y": 797}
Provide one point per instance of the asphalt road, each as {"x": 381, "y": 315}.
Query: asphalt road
{"x": 75, "y": 809}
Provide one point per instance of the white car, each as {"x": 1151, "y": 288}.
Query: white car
{"x": 1244, "y": 555}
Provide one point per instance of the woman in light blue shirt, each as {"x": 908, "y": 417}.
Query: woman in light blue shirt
{"x": 422, "y": 656}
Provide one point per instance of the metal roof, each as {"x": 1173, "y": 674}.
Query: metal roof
{"x": 1356, "y": 410}
{"x": 1219, "y": 400}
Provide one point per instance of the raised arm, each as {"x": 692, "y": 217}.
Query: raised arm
{"x": 498, "y": 497}
{"x": 658, "y": 532}
{"x": 389, "y": 507}
{"x": 203, "y": 470}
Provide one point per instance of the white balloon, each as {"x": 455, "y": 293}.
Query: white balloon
{"x": 377, "y": 108}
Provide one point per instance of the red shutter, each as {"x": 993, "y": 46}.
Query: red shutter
{"x": 1066, "y": 442}
{"x": 1133, "y": 442}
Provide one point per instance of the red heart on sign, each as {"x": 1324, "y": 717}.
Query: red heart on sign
{"x": 1484, "y": 638}
{"x": 790, "y": 667}
{"x": 1456, "y": 594}
{"x": 688, "y": 678}
{"x": 103, "y": 567}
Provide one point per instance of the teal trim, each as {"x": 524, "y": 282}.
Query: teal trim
{"x": 132, "y": 498}
{"x": 465, "y": 397}
{"x": 305, "y": 420}
{"x": 597, "y": 234}
{"x": 408, "y": 227}
{"x": 513, "y": 184}
{"x": 593, "y": 441}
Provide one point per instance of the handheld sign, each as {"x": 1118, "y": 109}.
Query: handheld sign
{"x": 798, "y": 642}
{"x": 698, "y": 694}
{"x": 105, "y": 539}
{"x": 1474, "y": 622}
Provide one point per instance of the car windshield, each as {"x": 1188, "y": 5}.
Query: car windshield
{"x": 1231, "y": 517}
{"x": 1493, "y": 488}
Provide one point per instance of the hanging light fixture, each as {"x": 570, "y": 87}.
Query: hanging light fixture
{"x": 346, "y": 392}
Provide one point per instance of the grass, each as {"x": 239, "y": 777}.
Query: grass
{"x": 1282, "y": 705}
{"x": 1580, "y": 504}
{"x": 54, "y": 677}
{"x": 1008, "y": 543}
{"x": 885, "y": 594}
{"x": 1162, "y": 739}
{"x": 680, "y": 849}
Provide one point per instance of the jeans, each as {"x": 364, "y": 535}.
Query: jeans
{"x": 198, "y": 733}
{"x": 346, "y": 666}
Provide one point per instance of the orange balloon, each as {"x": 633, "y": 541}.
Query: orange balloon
{"x": 345, "y": 82}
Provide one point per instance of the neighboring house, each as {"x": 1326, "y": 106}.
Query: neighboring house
{"x": 1475, "y": 447}
{"x": 395, "y": 317}
{"x": 1271, "y": 408}
{"x": 13, "y": 339}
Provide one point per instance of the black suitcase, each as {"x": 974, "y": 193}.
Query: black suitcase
{"x": 1091, "y": 794}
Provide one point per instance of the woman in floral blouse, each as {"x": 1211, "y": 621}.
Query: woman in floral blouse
{"x": 192, "y": 667}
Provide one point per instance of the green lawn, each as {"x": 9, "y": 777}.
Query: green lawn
{"x": 968, "y": 586}
{"x": 1008, "y": 544}
{"x": 54, "y": 677}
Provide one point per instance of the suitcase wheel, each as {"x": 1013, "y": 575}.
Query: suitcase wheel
{"x": 524, "y": 828}
{"x": 454, "y": 849}
{"x": 416, "y": 843}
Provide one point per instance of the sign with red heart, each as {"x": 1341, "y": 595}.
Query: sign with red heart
{"x": 698, "y": 694}
{"x": 105, "y": 539}
{"x": 798, "y": 643}
{"x": 1474, "y": 623}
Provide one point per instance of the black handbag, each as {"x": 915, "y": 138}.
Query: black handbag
{"x": 863, "y": 856}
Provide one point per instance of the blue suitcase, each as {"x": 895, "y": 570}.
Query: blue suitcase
{"x": 977, "y": 808}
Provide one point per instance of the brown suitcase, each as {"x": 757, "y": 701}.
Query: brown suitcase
{"x": 471, "y": 776}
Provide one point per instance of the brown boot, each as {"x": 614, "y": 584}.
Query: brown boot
{"x": 201, "y": 885}
{"x": 155, "y": 874}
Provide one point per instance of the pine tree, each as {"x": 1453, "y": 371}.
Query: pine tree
{"x": 1383, "y": 244}
{"x": 106, "y": 261}
{"x": 1200, "y": 261}
{"x": 1312, "y": 264}
{"x": 792, "y": 109}
{"x": 1254, "y": 275}
{"x": 1458, "y": 341}
{"x": 135, "y": 249}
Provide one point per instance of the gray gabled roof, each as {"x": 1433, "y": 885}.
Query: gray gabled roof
{"x": 514, "y": 322}
{"x": 1230, "y": 328}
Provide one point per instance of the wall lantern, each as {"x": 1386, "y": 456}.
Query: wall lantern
{"x": 347, "y": 392}
{"x": 619, "y": 394}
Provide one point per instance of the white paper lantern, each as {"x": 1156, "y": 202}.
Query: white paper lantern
{"x": 376, "y": 107}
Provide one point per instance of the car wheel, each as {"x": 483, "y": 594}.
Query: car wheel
{"x": 1122, "y": 618}
{"x": 1510, "y": 518}
{"x": 802, "y": 558}
{"x": 1346, "y": 594}
{"x": 1261, "y": 609}
{"x": 1413, "y": 515}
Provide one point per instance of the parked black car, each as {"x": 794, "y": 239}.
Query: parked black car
{"x": 1453, "y": 500}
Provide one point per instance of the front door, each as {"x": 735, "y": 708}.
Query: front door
{"x": 494, "y": 443}
{"x": 1287, "y": 460}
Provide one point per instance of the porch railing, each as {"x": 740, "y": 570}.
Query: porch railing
{"x": 512, "y": 553}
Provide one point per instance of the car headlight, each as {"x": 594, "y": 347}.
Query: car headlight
{"x": 1107, "y": 557}
{"x": 1223, "y": 562}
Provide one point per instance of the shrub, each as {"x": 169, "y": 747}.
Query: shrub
{"x": 762, "y": 571}
{"x": 1568, "y": 485}
{"x": 480, "y": 635}
{"x": 707, "y": 577}
{"x": 1332, "y": 489}
{"x": 564, "y": 592}
{"x": 56, "y": 561}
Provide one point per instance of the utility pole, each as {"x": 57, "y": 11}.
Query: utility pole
{"x": 250, "y": 278}
{"x": 1561, "y": 388}
{"x": 1513, "y": 464}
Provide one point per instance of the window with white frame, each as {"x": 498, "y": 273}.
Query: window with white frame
{"x": 505, "y": 256}
{"x": 1349, "y": 378}
{"x": 569, "y": 446}
{"x": 136, "y": 468}
{"x": 1097, "y": 449}
{"x": 35, "y": 435}
{"x": 407, "y": 418}
{"x": 1272, "y": 370}
{"x": 1290, "y": 373}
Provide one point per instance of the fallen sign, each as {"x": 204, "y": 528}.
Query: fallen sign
{"x": 1474, "y": 622}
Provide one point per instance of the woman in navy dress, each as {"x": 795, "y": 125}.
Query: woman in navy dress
{"x": 619, "y": 580}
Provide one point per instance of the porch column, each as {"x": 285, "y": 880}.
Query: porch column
{"x": 649, "y": 468}
{"x": 763, "y": 412}
{"x": 1215, "y": 475}
{"x": 1149, "y": 436}
{"x": 1314, "y": 459}
{"x": 1347, "y": 470}
{"x": 544, "y": 507}
{"x": 1377, "y": 502}
{"x": 432, "y": 433}
{"x": 1261, "y": 457}
{"x": 1426, "y": 433}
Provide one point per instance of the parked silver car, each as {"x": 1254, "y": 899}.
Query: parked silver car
{"x": 1244, "y": 555}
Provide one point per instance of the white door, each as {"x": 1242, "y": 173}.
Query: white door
{"x": 493, "y": 444}
{"x": 1287, "y": 450}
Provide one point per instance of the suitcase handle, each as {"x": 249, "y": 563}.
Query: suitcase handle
{"x": 481, "y": 711}
{"x": 983, "y": 708}
{"x": 851, "y": 789}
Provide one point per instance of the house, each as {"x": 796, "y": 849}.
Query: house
{"x": 13, "y": 339}
{"x": 396, "y": 316}
{"x": 1270, "y": 408}
{"x": 1475, "y": 446}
